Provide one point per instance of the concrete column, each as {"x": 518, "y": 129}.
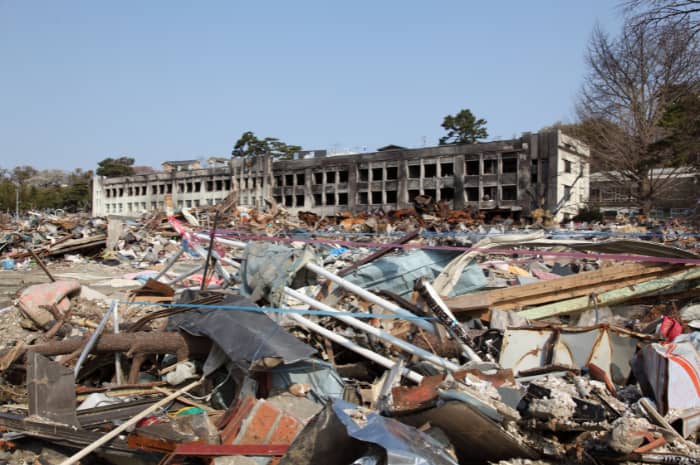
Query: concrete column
{"x": 402, "y": 194}
{"x": 352, "y": 186}
{"x": 458, "y": 182}
{"x": 308, "y": 195}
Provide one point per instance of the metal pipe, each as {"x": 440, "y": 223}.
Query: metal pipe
{"x": 93, "y": 338}
{"x": 347, "y": 343}
{"x": 117, "y": 355}
{"x": 354, "y": 288}
{"x": 395, "y": 341}
{"x": 169, "y": 264}
{"x": 186, "y": 274}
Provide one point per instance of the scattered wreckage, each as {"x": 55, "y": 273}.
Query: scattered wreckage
{"x": 416, "y": 337}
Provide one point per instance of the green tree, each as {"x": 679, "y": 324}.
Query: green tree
{"x": 248, "y": 145}
{"x": 463, "y": 128}
{"x": 114, "y": 168}
{"x": 680, "y": 122}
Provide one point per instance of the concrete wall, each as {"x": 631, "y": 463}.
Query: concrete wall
{"x": 512, "y": 175}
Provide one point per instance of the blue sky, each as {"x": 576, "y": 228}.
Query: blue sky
{"x": 166, "y": 80}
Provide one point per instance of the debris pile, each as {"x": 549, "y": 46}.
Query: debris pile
{"x": 421, "y": 337}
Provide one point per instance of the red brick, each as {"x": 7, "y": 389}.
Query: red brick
{"x": 256, "y": 429}
{"x": 286, "y": 430}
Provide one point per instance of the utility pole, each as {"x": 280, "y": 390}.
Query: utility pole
{"x": 17, "y": 201}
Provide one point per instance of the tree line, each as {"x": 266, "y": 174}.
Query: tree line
{"x": 44, "y": 189}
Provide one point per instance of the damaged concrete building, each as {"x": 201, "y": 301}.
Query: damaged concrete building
{"x": 508, "y": 177}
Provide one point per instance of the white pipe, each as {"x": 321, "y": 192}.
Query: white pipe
{"x": 117, "y": 355}
{"x": 345, "y": 342}
{"x": 186, "y": 274}
{"x": 127, "y": 424}
{"x": 93, "y": 338}
{"x": 400, "y": 343}
{"x": 375, "y": 299}
{"x": 354, "y": 288}
{"x": 168, "y": 264}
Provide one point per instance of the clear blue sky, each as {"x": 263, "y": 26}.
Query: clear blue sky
{"x": 166, "y": 80}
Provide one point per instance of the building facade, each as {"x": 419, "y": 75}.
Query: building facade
{"x": 548, "y": 170}
{"x": 679, "y": 193}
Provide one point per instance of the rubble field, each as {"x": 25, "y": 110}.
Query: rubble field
{"x": 423, "y": 336}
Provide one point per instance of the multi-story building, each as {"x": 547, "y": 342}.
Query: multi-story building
{"x": 678, "y": 192}
{"x": 548, "y": 170}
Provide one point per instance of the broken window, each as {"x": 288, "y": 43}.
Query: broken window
{"x": 472, "y": 194}
{"x": 188, "y": 203}
{"x": 510, "y": 164}
{"x": 289, "y": 180}
{"x": 490, "y": 166}
{"x": 412, "y": 194}
{"x": 278, "y": 180}
{"x": 219, "y": 185}
{"x": 143, "y": 190}
{"x": 197, "y": 186}
{"x": 330, "y": 177}
{"x": 414, "y": 171}
{"x": 377, "y": 197}
{"x": 210, "y": 186}
{"x": 318, "y": 178}
{"x": 567, "y": 192}
{"x": 300, "y": 200}
{"x": 278, "y": 199}
{"x": 472, "y": 167}
{"x": 130, "y": 192}
{"x": 107, "y": 193}
{"x": 196, "y": 202}
{"x": 489, "y": 193}
{"x": 430, "y": 170}
{"x": 288, "y": 199}
{"x": 170, "y": 188}
{"x": 154, "y": 190}
{"x": 342, "y": 176}
{"x": 430, "y": 193}
{"x": 364, "y": 198}
{"x": 189, "y": 187}
{"x": 391, "y": 196}
{"x": 447, "y": 193}
{"x": 330, "y": 198}
{"x": 318, "y": 199}
{"x": 363, "y": 174}
{"x": 300, "y": 179}
{"x": 377, "y": 174}
{"x": 447, "y": 169}
{"x": 509, "y": 192}
{"x": 567, "y": 166}
{"x": 227, "y": 184}
{"x": 343, "y": 199}
{"x": 533, "y": 172}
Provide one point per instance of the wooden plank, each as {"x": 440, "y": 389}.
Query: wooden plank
{"x": 613, "y": 297}
{"x": 549, "y": 289}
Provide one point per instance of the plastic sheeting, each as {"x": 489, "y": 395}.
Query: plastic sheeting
{"x": 398, "y": 273}
{"x": 245, "y": 337}
{"x": 268, "y": 268}
{"x": 325, "y": 382}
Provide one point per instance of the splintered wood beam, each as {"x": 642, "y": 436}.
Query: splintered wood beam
{"x": 580, "y": 284}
